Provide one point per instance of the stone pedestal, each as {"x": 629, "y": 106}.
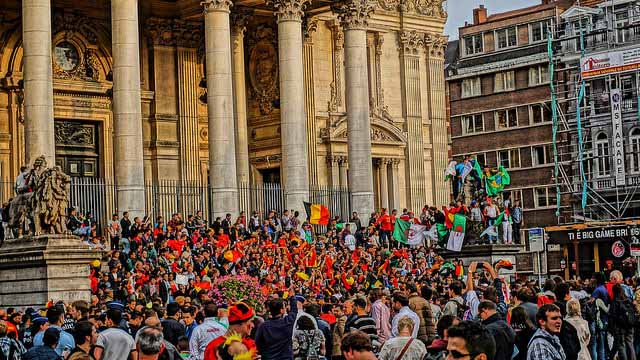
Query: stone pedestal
{"x": 36, "y": 269}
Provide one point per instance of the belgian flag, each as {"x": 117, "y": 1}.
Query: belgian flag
{"x": 317, "y": 214}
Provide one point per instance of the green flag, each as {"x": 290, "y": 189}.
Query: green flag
{"x": 459, "y": 223}
{"x": 499, "y": 219}
{"x": 443, "y": 234}
{"x": 399, "y": 231}
{"x": 478, "y": 169}
{"x": 496, "y": 183}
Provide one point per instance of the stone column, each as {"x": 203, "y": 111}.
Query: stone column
{"x": 238, "y": 29}
{"x": 436, "y": 45}
{"x": 334, "y": 171}
{"x": 38, "y": 86}
{"x": 354, "y": 15}
{"x": 295, "y": 166}
{"x": 127, "y": 138}
{"x": 309, "y": 26}
{"x": 222, "y": 156}
{"x": 394, "y": 187}
{"x": 410, "y": 43}
{"x": 384, "y": 183}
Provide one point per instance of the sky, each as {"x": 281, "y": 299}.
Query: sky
{"x": 462, "y": 10}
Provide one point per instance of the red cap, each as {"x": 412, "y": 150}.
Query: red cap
{"x": 240, "y": 312}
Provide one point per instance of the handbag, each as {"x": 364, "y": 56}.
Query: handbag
{"x": 404, "y": 349}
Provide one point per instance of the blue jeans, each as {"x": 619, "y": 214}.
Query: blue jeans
{"x": 597, "y": 343}
{"x": 492, "y": 238}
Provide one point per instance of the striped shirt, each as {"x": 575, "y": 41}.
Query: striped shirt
{"x": 366, "y": 324}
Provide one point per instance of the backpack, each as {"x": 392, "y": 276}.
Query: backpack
{"x": 589, "y": 310}
{"x": 463, "y": 312}
{"x": 624, "y": 314}
{"x": 569, "y": 340}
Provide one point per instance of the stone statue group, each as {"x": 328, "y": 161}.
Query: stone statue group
{"x": 40, "y": 206}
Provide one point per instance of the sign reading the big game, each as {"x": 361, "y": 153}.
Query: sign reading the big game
{"x": 618, "y": 146}
{"x": 610, "y": 62}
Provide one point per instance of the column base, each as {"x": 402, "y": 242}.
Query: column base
{"x": 131, "y": 199}
{"x": 294, "y": 200}
{"x": 34, "y": 270}
{"x": 224, "y": 201}
{"x": 362, "y": 203}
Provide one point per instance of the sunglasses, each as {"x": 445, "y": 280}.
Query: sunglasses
{"x": 455, "y": 354}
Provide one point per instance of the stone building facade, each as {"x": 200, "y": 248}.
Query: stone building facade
{"x": 230, "y": 92}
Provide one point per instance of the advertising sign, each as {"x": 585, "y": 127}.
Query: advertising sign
{"x": 625, "y": 233}
{"x": 610, "y": 62}
{"x": 617, "y": 249}
{"x": 618, "y": 145}
{"x": 536, "y": 239}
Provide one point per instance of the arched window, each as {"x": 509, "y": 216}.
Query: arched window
{"x": 603, "y": 163}
{"x": 634, "y": 150}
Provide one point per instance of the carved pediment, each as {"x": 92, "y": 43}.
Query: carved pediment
{"x": 383, "y": 130}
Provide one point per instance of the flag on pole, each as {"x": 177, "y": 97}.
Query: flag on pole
{"x": 443, "y": 233}
{"x": 317, "y": 214}
{"x": 493, "y": 229}
{"x": 456, "y": 237}
{"x": 478, "y": 169}
{"x": 450, "y": 171}
{"x": 468, "y": 167}
{"x": 400, "y": 231}
{"x": 496, "y": 183}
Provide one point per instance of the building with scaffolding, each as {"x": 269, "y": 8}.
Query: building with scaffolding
{"x": 500, "y": 110}
{"x": 595, "y": 62}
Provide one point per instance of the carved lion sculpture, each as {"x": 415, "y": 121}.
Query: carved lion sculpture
{"x": 42, "y": 210}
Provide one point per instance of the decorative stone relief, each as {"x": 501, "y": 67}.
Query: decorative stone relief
{"x": 73, "y": 62}
{"x": 335, "y": 100}
{"x": 239, "y": 20}
{"x": 389, "y": 5}
{"x": 288, "y": 9}
{"x": 216, "y": 5}
{"x": 267, "y": 159}
{"x": 73, "y": 133}
{"x": 72, "y": 23}
{"x": 379, "y": 109}
{"x": 170, "y": 32}
{"x": 354, "y": 14}
{"x": 375, "y": 133}
{"x": 263, "y": 68}
{"x": 432, "y": 8}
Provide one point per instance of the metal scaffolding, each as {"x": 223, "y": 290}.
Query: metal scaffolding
{"x": 587, "y": 143}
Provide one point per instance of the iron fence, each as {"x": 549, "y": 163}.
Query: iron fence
{"x": 165, "y": 197}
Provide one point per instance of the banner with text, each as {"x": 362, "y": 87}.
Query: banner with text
{"x": 610, "y": 62}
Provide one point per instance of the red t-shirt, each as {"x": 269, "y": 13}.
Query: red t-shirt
{"x": 210, "y": 353}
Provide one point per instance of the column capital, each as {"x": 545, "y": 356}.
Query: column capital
{"x": 216, "y": 5}
{"x": 354, "y": 14}
{"x": 239, "y": 19}
{"x": 288, "y": 10}
{"x": 436, "y": 44}
{"x": 395, "y": 163}
{"x": 410, "y": 42}
{"x": 309, "y": 26}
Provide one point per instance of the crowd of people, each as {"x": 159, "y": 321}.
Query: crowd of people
{"x": 349, "y": 293}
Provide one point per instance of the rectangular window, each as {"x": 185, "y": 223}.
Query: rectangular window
{"x": 539, "y": 75}
{"x": 506, "y": 118}
{"x": 545, "y": 197}
{"x": 473, "y": 44}
{"x": 539, "y": 113}
{"x": 506, "y": 37}
{"x": 538, "y": 31}
{"x": 542, "y": 154}
{"x": 509, "y": 158}
{"x": 504, "y": 81}
{"x": 513, "y": 196}
{"x": 471, "y": 87}
{"x": 472, "y": 124}
{"x": 634, "y": 151}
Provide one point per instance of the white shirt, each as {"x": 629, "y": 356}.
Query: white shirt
{"x": 203, "y": 334}
{"x": 350, "y": 242}
{"x": 405, "y": 311}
